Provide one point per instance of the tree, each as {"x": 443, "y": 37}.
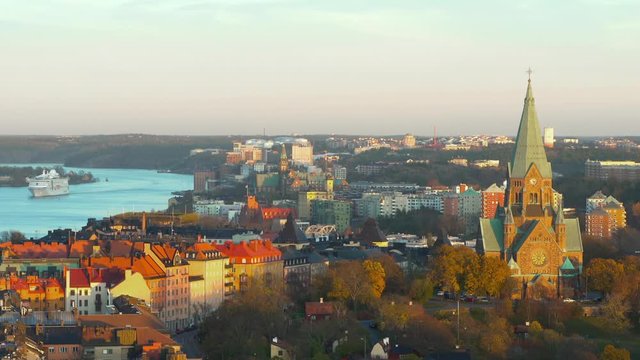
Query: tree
{"x": 350, "y": 281}
{"x": 376, "y": 275}
{"x": 602, "y": 274}
{"x": 615, "y": 314}
{"x": 493, "y": 275}
{"x": 394, "y": 276}
{"x": 611, "y": 352}
{"x": 12, "y": 235}
{"x": 421, "y": 290}
{"x": 456, "y": 268}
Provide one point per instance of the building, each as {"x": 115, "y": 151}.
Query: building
{"x": 36, "y": 293}
{"x": 256, "y": 260}
{"x": 549, "y": 138}
{"x": 305, "y": 199}
{"x": 331, "y": 212}
{"x": 296, "y": 270}
{"x": 369, "y": 170}
{"x": 542, "y": 248}
{"x": 208, "y": 273}
{"x": 599, "y": 224}
{"x": 88, "y": 290}
{"x": 218, "y": 208}
{"x": 492, "y": 199}
{"x": 302, "y": 154}
{"x": 409, "y": 141}
{"x": 339, "y": 172}
{"x": 200, "y": 179}
{"x": 603, "y": 170}
{"x": 470, "y": 209}
{"x": 604, "y": 215}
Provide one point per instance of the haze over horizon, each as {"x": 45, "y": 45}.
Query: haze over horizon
{"x": 234, "y": 67}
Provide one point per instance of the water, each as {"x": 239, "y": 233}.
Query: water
{"x": 126, "y": 190}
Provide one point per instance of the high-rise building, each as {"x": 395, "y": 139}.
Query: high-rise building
{"x": 492, "y": 199}
{"x": 302, "y": 154}
{"x": 409, "y": 141}
{"x": 542, "y": 248}
{"x": 200, "y": 178}
{"x": 549, "y": 138}
{"x": 599, "y": 206}
{"x": 470, "y": 210}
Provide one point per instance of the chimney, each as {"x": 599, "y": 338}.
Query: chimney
{"x": 144, "y": 223}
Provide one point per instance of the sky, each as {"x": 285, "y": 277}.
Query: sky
{"x": 209, "y": 67}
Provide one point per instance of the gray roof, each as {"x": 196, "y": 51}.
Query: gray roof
{"x": 574, "y": 236}
{"x": 492, "y": 232}
{"x": 529, "y": 149}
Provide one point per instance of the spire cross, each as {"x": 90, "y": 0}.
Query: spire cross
{"x": 529, "y": 72}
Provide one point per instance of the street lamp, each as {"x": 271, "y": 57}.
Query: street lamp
{"x": 364, "y": 339}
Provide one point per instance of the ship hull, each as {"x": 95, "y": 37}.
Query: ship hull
{"x": 48, "y": 187}
{"x": 45, "y": 192}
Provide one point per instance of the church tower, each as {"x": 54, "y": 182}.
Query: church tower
{"x": 531, "y": 232}
{"x": 284, "y": 161}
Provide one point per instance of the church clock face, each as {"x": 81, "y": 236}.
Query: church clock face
{"x": 533, "y": 181}
{"x": 539, "y": 258}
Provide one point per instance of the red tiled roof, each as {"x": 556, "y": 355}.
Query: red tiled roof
{"x": 254, "y": 249}
{"x": 318, "y": 308}
{"x": 78, "y": 278}
{"x": 275, "y": 213}
{"x": 31, "y": 250}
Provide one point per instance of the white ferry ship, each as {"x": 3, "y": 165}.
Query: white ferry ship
{"x": 48, "y": 184}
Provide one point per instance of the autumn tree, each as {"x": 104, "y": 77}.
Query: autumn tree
{"x": 421, "y": 290}
{"x": 357, "y": 281}
{"x": 493, "y": 275}
{"x": 602, "y": 273}
{"x": 611, "y": 352}
{"x": 394, "y": 276}
{"x": 376, "y": 275}
{"x": 456, "y": 268}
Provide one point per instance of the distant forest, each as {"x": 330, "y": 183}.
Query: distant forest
{"x": 131, "y": 151}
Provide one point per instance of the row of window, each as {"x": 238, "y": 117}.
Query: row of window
{"x": 64, "y": 349}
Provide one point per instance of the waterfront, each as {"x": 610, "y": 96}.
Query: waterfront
{"x": 125, "y": 190}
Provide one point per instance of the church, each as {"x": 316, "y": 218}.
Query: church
{"x": 543, "y": 249}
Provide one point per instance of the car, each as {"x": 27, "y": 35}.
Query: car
{"x": 483, "y": 299}
{"x": 568, "y": 300}
{"x": 440, "y": 293}
{"x": 469, "y": 298}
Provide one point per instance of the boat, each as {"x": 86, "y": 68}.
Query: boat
{"x": 49, "y": 183}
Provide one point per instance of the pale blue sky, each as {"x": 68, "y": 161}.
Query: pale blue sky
{"x": 323, "y": 66}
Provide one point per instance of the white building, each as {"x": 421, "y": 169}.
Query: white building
{"x": 217, "y": 208}
{"x": 88, "y": 290}
{"x": 302, "y": 154}
{"x": 549, "y": 138}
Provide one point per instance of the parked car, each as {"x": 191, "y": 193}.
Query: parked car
{"x": 568, "y": 300}
{"x": 483, "y": 299}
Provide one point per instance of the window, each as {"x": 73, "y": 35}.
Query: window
{"x": 52, "y": 350}
{"x": 107, "y": 351}
{"x": 75, "y": 349}
{"x": 73, "y": 303}
{"x": 72, "y": 292}
{"x": 63, "y": 349}
{"x": 86, "y": 303}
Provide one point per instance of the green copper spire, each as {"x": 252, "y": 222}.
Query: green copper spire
{"x": 529, "y": 149}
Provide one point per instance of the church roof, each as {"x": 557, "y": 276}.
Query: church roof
{"x": 574, "y": 236}
{"x": 492, "y": 234}
{"x": 529, "y": 148}
{"x": 567, "y": 265}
